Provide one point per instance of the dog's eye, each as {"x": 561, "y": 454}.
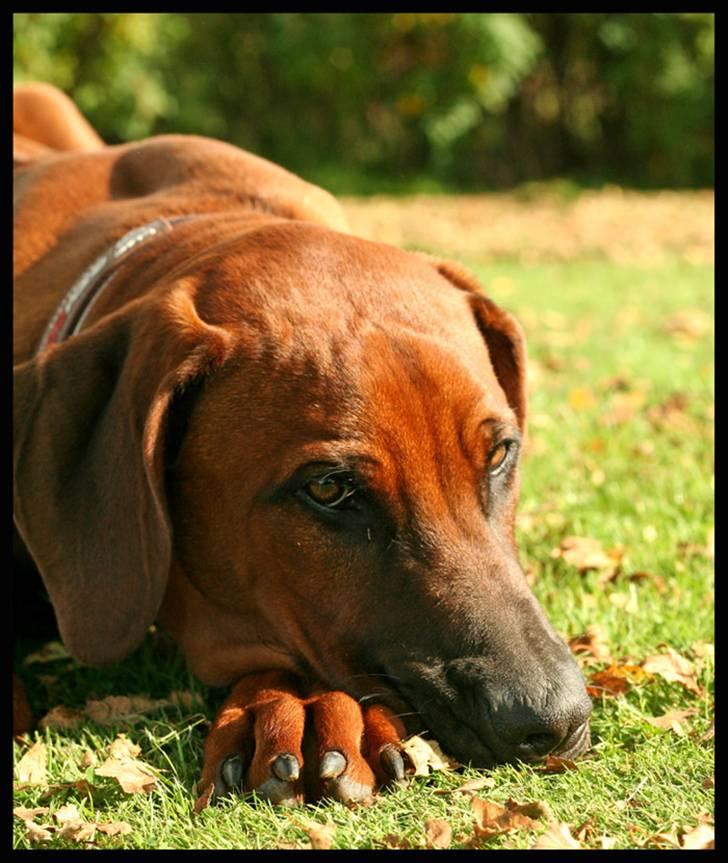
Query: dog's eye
{"x": 498, "y": 457}
{"x": 331, "y": 490}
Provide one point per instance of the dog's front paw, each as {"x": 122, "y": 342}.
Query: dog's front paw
{"x": 270, "y": 739}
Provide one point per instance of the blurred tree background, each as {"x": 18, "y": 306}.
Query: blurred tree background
{"x": 399, "y": 102}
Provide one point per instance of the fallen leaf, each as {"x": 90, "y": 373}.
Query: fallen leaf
{"x": 709, "y": 734}
{"x": 582, "y": 399}
{"x": 427, "y": 756}
{"x": 657, "y": 580}
{"x": 672, "y": 720}
{"x": 699, "y": 838}
{"x": 554, "y": 764}
{"x": 492, "y": 818}
{"x": 557, "y": 836}
{"x": 671, "y": 414}
{"x": 662, "y": 840}
{"x": 121, "y": 709}
{"x": 688, "y": 323}
{"x": 708, "y": 782}
{"x": 89, "y": 759}
{"x": 469, "y": 787}
{"x": 31, "y": 768}
{"x": 188, "y": 700}
{"x": 62, "y": 717}
{"x": 623, "y": 407}
{"x": 391, "y": 840}
{"x": 321, "y": 836}
{"x": 592, "y": 643}
{"x": 68, "y": 814}
{"x": 615, "y": 680}
{"x": 115, "y": 828}
{"x": 673, "y": 667}
{"x": 134, "y": 776}
{"x": 38, "y": 832}
{"x": 438, "y": 833}
{"x": 586, "y": 553}
{"x": 50, "y": 652}
{"x": 29, "y": 814}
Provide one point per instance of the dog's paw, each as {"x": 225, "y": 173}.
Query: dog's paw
{"x": 291, "y": 749}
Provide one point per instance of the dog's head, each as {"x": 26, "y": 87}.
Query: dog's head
{"x": 323, "y": 434}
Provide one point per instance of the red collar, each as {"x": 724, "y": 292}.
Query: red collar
{"x": 71, "y": 312}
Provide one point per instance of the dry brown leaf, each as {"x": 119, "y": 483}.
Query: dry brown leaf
{"x": 29, "y": 814}
{"x": 492, "y": 818}
{"x": 556, "y": 837}
{"x": 391, "y": 840}
{"x": 582, "y": 399}
{"x": 662, "y": 840}
{"x": 321, "y": 836}
{"x": 89, "y": 759}
{"x": 554, "y": 764}
{"x": 586, "y": 553}
{"x": 624, "y": 406}
{"x": 62, "y": 717}
{"x": 469, "y": 787}
{"x": 592, "y": 643}
{"x": 183, "y": 698}
{"x": 50, "y": 652}
{"x": 427, "y": 756}
{"x": 38, "y": 832}
{"x": 134, "y": 776}
{"x": 535, "y": 809}
{"x": 615, "y": 680}
{"x": 68, "y": 814}
{"x": 673, "y": 667}
{"x": 688, "y": 323}
{"x": 672, "y": 720}
{"x": 438, "y": 833}
{"x": 31, "y": 768}
{"x": 708, "y": 782}
{"x": 119, "y": 709}
{"x": 701, "y": 837}
{"x": 115, "y": 828}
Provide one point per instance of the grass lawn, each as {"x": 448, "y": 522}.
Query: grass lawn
{"x": 620, "y": 451}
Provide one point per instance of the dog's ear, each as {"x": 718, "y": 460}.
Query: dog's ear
{"x": 502, "y": 334}
{"x": 90, "y": 419}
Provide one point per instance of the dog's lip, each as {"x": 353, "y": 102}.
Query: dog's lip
{"x": 578, "y": 742}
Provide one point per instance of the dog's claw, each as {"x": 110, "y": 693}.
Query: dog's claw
{"x": 333, "y": 764}
{"x": 286, "y": 767}
{"x": 392, "y": 762}
{"x": 232, "y": 771}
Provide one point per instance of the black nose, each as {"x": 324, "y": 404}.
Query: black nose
{"x": 527, "y": 730}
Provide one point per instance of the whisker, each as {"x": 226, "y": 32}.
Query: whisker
{"x": 372, "y": 695}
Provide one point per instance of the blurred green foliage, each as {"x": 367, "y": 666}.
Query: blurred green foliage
{"x": 375, "y": 101}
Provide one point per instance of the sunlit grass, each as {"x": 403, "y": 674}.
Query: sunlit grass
{"x": 595, "y": 330}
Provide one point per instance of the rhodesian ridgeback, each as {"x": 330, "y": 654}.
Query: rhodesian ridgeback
{"x": 294, "y": 449}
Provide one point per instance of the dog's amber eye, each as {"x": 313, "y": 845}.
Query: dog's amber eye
{"x": 498, "y": 457}
{"x": 330, "y": 490}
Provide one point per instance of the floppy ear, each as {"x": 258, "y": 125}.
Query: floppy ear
{"x": 90, "y": 417}
{"x": 502, "y": 334}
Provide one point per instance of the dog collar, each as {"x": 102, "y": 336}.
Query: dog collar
{"x": 75, "y": 306}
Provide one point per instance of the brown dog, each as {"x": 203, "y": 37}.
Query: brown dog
{"x": 294, "y": 449}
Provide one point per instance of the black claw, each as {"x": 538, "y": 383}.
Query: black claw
{"x": 392, "y": 762}
{"x": 232, "y": 771}
{"x": 286, "y": 767}
{"x": 333, "y": 764}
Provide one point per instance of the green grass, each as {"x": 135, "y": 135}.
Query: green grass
{"x": 639, "y": 484}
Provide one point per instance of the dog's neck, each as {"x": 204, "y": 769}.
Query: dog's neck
{"x": 71, "y": 312}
